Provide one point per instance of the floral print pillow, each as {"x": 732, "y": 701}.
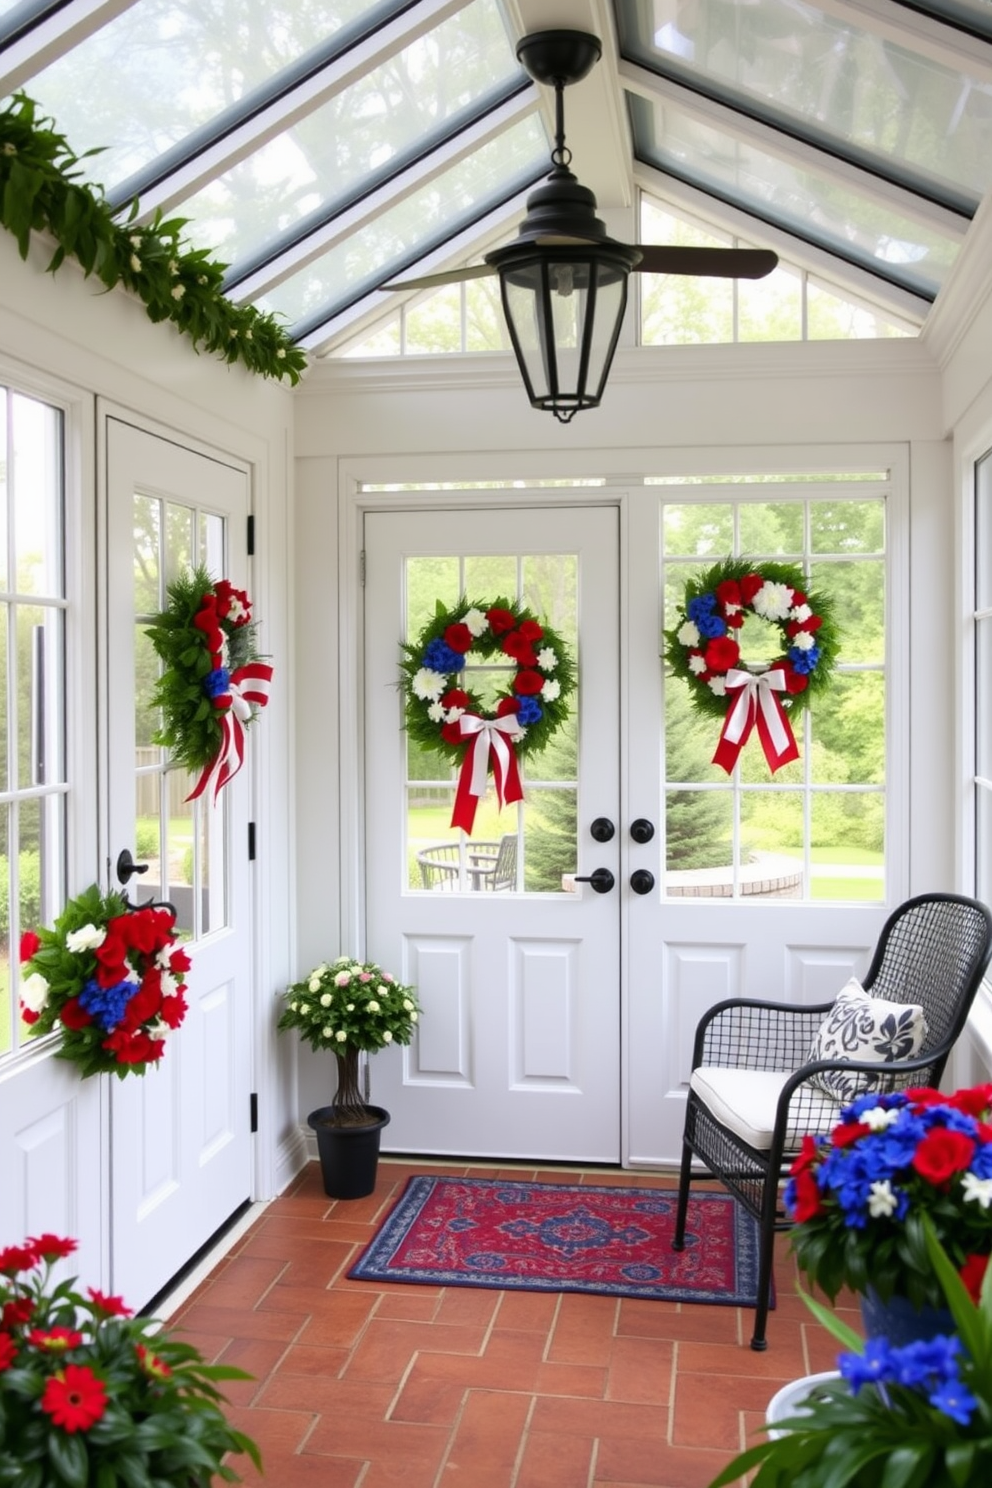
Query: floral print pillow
{"x": 860, "y": 1026}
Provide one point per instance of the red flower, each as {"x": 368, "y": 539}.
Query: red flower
{"x": 111, "y": 1306}
{"x": 736, "y": 620}
{"x": 226, "y": 592}
{"x": 519, "y": 647}
{"x": 145, "y": 1003}
{"x": 942, "y": 1153}
{"x": 15, "y": 1258}
{"x": 721, "y": 654}
{"x": 796, "y": 627}
{"x": 75, "y": 1398}
{"x": 151, "y": 1363}
{"x": 53, "y": 1247}
{"x": 74, "y": 1015}
{"x": 28, "y": 1015}
{"x": 798, "y": 598}
{"x": 17, "y": 1312}
{"x": 134, "y": 1048}
{"x": 850, "y": 1132}
{"x": 111, "y": 956}
{"x": 173, "y": 1010}
{"x": 55, "y": 1340}
{"x": 528, "y": 683}
{"x": 451, "y": 733}
{"x": 500, "y": 621}
{"x": 924, "y": 1095}
{"x": 794, "y": 681}
{"x": 29, "y": 944}
{"x": 806, "y": 1156}
{"x": 458, "y": 637}
{"x": 807, "y": 1203}
{"x": 974, "y": 1102}
{"x": 972, "y": 1273}
{"x": 8, "y": 1351}
{"x": 530, "y": 630}
{"x": 507, "y": 705}
{"x": 750, "y": 584}
{"x": 729, "y": 592}
{"x": 456, "y": 699}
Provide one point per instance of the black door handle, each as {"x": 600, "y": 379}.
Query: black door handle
{"x": 642, "y": 880}
{"x": 127, "y": 867}
{"x": 602, "y": 829}
{"x": 642, "y": 830}
{"x": 601, "y": 879}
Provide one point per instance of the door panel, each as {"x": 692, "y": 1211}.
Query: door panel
{"x": 180, "y": 1137}
{"x": 517, "y": 1054}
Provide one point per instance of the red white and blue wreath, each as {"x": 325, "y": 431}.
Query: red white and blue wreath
{"x": 452, "y": 719}
{"x": 703, "y": 649}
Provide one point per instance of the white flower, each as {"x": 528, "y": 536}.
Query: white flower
{"x": 732, "y": 609}
{"x": 135, "y": 240}
{"x": 407, "y": 1005}
{"x": 34, "y": 992}
{"x": 881, "y": 1200}
{"x": 413, "y": 1017}
{"x": 342, "y": 978}
{"x": 453, "y": 715}
{"x": 718, "y": 686}
{"x": 328, "y": 1031}
{"x": 135, "y": 262}
{"x": 318, "y": 971}
{"x": 325, "y": 999}
{"x": 803, "y": 641}
{"x": 977, "y": 1190}
{"x": 801, "y": 612}
{"x": 294, "y": 1007}
{"x": 878, "y": 1118}
{"x": 178, "y": 290}
{"x": 697, "y": 664}
{"x": 281, "y": 354}
{"x": 86, "y": 939}
{"x": 689, "y": 634}
{"x": 159, "y": 1029}
{"x": 476, "y": 622}
{"x": 374, "y": 1006}
{"x": 547, "y": 659}
{"x": 387, "y": 1037}
{"x": 340, "y": 1035}
{"x": 550, "y": 690}
{"x": 169, "y": 984}
{"x": 248, "y": 334}
{"x": 313, "y": 984}
{"x": 387, "y": 976}
{"x": 429, "y": 684}
{"x": 173, "y": 267}
{"x": 351, "y": 1007}
{"x": 773, "y": 601}
{"x": 436, "y": 713}
{"x": 9, "y": 149}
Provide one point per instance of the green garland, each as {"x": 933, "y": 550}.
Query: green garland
{"x": 40, "y": 191}
{"x": 194, "y": 655}
{"x": 485, "y": 631}
{"x": 701, "y": 647}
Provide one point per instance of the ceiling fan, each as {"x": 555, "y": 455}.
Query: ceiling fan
{"x": 563, "y": 281}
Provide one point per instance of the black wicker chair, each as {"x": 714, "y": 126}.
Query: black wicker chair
{"x": 751, "y": 1096}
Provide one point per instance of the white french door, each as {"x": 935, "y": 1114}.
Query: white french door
{"x": 517, "y": 1053}
{"x": 180, "y": 1136}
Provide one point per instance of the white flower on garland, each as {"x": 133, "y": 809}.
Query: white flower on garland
{"x": 429, "y": 684}
{"x": 977, "y": 1190}
{"x": 803, "y": 641}
{"x": 718, "y": 686}
{"x": 88, "y": 938}
{"x": 800, "y": 613}
{"x": 689, "y": 634}
{"x": 34, "y": 992}
{"x": 453, "y": 715}
{"x": 882, "y": 1201}
{"x": 546, "y": 659}
{"x": 551, "y": 689}
{"x": 437, "y": 713}
{"x": 697, "y": 664}
{"x": 773, "y": 601}
{"x": 476, "y": 622}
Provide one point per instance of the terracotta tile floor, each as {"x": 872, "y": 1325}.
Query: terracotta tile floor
{"x": 362, "y": 1385}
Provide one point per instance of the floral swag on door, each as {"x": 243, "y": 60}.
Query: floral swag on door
{"x": 455, "y": 722}
{"x": 703, "y": 648}
{"x": 213, "y": 684}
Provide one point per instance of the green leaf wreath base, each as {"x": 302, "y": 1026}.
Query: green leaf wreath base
{"x": 679, "y": 654}
{"x": 431, "y": 731}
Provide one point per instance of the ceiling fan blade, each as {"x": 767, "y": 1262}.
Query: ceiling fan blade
{"x": 719, "y": 263}
{"x": 447, "y": 276}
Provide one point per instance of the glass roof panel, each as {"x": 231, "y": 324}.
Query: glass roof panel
{"x": 822, "y": 208}
{"x": 972, "y": 15}
{"x": 163, "y": 69}
{"x": 401, "y": 233}
{"x": 361, "y": 136}
{"x": 837, "y": 84}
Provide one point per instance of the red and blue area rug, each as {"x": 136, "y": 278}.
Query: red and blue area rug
{"x": 551, "y": 1237}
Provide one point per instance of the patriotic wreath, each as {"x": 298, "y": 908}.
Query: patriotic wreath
{"x": 213, "y": 684}
{"x": 455, "y": 722}
{"x": 702, "y": 648}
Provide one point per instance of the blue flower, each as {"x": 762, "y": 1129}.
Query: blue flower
{"x": 914, "y": 1363}
{"x": 804, "y": 661}
{"x": 440, "y": 657}
{"x": 701, "y": 612}
{"x": 872, "y": 1367}
{"x": 106, "y": 1004}
{"x": 217, "y": 682}
{"x": 954, "y": 1399}
{"x": 530, "y": 710}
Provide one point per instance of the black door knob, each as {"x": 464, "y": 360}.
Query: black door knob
{"x": 642, "y": 830}
{"x": 127, "y": 867}
{"x": 642, "y": 880}
{"x": 602, "y": 829}
{"x": 601, "y": 879}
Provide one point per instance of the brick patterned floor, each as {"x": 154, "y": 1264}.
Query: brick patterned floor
{"x": 365, "y": 1385}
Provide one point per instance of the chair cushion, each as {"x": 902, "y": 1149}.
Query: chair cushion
{"x": 746, "y": 1101}
{"x": 860, "y": 1026}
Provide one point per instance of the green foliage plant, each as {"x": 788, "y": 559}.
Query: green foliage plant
{"x": 350, "y": 1007}
{"x": 92, "y": 1397}
{"x": 41, "y": 191}
{"x": 928, "y": 1427}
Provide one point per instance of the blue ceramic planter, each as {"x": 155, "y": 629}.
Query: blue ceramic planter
{"x": 899, "y": 1321}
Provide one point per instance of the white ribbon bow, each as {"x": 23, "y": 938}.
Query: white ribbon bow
{"x": 756, "y": 693}
{"x": 489, "y": 734}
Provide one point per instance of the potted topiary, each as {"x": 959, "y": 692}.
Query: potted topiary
{"x": 349, "y": 1008}
{"x": 90, "y": 1394}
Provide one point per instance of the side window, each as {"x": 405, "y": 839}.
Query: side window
{"x": 983, "y": 672}
{"x": 815, "y": 829}
{"x": 33, "y": 786}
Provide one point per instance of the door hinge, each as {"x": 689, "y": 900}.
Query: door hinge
{"x": 253, "y": 1101}
{"x": 361, "y": 568}
{"x": 250, "y": 535}
{"x": 251, "y": 842}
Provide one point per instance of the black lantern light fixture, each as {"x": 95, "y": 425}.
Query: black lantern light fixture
{"x": 563, "y": 281}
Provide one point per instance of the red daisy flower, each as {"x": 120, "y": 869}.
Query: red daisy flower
{"x": 75, "y": 1398}
{"x": 55, "y": 1340}
{"x": 151, "y": 1363}
{"x": 29, "y": 944}
{"x": 53, "y": 1247}
{"x": 8, "y": 1351}
{"x": 112, "y": 1306}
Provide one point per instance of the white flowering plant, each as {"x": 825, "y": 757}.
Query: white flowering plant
{"x": 350, "y": 1007}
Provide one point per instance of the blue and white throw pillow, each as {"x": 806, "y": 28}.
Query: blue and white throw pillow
{"x": 859, "y": 1026}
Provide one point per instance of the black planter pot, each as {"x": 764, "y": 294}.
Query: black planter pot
{"x": 349, "y": 1155}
